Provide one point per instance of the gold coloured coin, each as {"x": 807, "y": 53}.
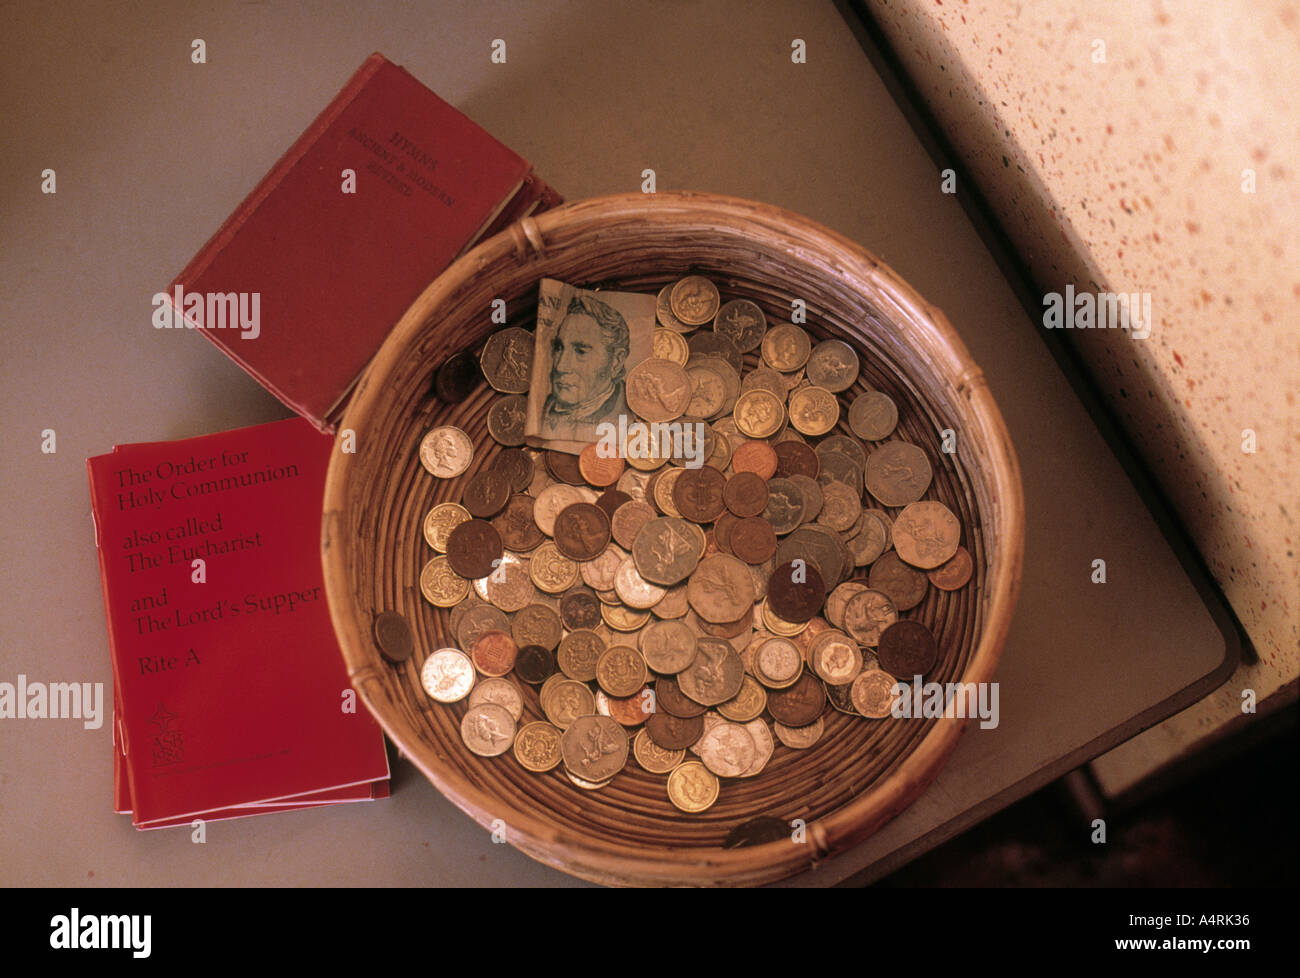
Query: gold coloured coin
{"x": 669, "y": 345}
{"x": 786, "y": 348}
{"x": 777, "y": 625}
{"x": 746, "y": 705}
{"x": 873, "y": 694}
{"x": 578, "y": 653}
{"x": 694, "y": 300}
{"x": 537, "y": 746}
{"x": 759, "y": 413}
{"x": 692, "y": 787}
{"x": 551, "y": 571}
{"x": 814, "y": 410}
{"x": 440, "y": 521}
{"x": 623, "y": 619}
{"x": 664, "y": 311}
{"x": 442, "y": 586}
{"x": 652, "y": 757}
{"x": 621, "y": 671}
{"x": 566, "y": 701}
{"x": 663, "y": 492}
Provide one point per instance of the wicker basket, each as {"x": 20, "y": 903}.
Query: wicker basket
{"x": 862, "y": 773}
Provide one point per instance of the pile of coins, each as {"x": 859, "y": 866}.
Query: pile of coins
{"x": 662, "y": 611}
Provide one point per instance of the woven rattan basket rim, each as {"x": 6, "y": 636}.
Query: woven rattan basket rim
{"x": 931, "y": 333}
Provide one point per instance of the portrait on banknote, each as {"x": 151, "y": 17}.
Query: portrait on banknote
{"x": 584, "y": 345}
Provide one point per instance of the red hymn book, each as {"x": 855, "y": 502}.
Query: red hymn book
{"x": 230, "y": 694}
{"x": 383, "y": 191}
{"x": 228, "y": 684}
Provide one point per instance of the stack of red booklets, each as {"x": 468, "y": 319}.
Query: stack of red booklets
{"x": 231, "y": 697}
{"x": 383, "y": 191}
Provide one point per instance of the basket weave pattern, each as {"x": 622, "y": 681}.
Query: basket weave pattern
{"x": 862, "y": 772}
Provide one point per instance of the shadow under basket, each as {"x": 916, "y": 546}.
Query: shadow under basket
{"x": 862, "y": 772}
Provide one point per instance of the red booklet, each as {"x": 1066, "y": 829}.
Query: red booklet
{"x": 381, "y": 193}
{"x": 230, "y": 692}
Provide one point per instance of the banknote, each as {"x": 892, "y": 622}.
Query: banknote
{"x": 585, "y": 344}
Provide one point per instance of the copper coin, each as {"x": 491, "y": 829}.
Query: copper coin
{"x": 755, "y": 456}
{"x": 926, "y": 534}
{"x": 800, "y": 704}
{"x": 907, "y": 648}
{"x": 722, "y": 530}
{"x": 670, "y": 699}
{"x": 579, "y": 609}
{"x": 564, "y": 467}
{"x": 599, "y": 471}
{"x": 955, "y": 572}
{"x": 630, "y": 711}
{"x": 795, "y": 591}
{"x": 517, "y": 466}
{"x": 610, "y": 501}
{"x": 486, "y": 494}
{"x": 904, "y": 585}
{"x": 519, "y": 531}
{"x": 698, "y": 494}
{"x": 796, "y": 458}
{"x": 393, "y": 636}
{"x": 535, "y": 664}
{"x": 494, "y": 653}
{"x": 745, "y": 494}
{"x": 752, "y": 540}
{"x": 474, "y": 549}
{"x": 456, "y": 379}
{"x": 674, "y": 733}
{"x": 626, "y": 521}
{"x": 582, "y": 531}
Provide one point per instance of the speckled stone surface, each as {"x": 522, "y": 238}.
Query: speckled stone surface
{"x": 1151, "y": 148}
